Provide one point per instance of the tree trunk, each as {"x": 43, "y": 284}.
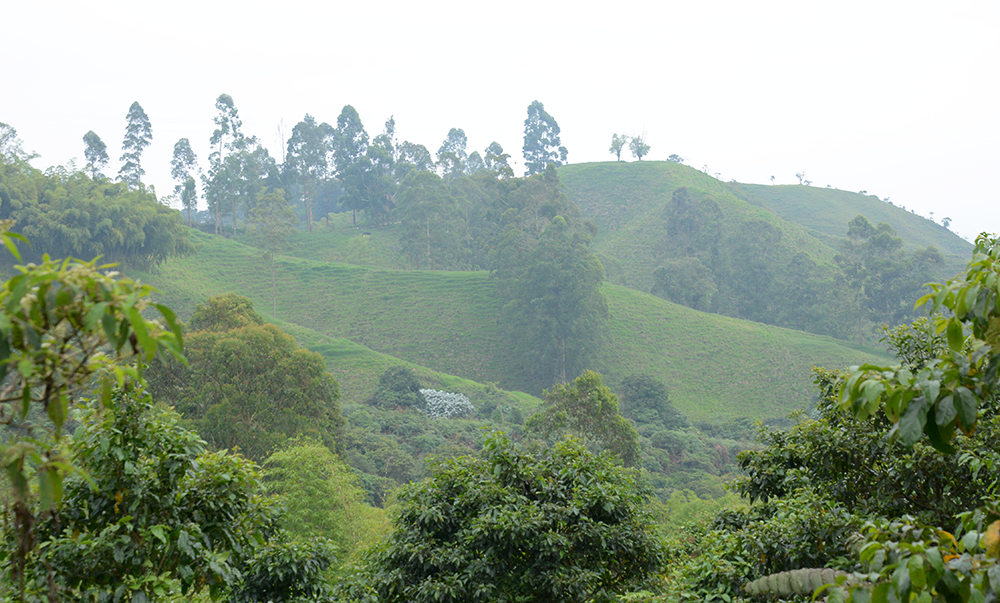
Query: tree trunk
{"x": 274, "y": 291}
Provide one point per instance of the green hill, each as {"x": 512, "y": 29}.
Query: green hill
{"x": 826, "y": 211}
{"x": 361, "y": 318}
{"x": 628, "y": 202}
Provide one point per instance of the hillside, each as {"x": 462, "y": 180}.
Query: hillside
{"x": 628, "y": 203}
{"x": 825, "y": 211}
{"x": 716, "y": 367}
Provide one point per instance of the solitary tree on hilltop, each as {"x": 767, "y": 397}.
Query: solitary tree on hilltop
{"x": 617, "y": 144}
{"x": 639, "y": 147}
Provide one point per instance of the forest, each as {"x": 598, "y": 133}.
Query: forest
{"x": 508, "y": 434}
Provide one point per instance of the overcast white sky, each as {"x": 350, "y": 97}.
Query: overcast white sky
{"x": 899, "y": 98}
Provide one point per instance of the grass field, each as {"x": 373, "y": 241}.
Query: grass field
{"x": 363, "y": 320}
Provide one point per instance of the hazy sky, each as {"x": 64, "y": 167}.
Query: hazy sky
{"x": 901, "y": 99}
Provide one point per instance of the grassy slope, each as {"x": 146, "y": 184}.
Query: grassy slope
{"x": 627, "y": 200}
{"x": 716, "y": 367}
{"x": 827, "y": 211}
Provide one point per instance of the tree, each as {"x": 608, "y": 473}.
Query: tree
{"x": 251, "y": 387}
{"x": 155, "y": 507}
{"x": 306, "y": 160}
{"x": 96, "y": 153}
{"x": 431, "y": 222}
{"x": 138, "y": 135}
{"x": 675, "y": 158}
{"x": 505, "y": 525}
{"x": 189, "y": 197}
{"x": 557, "y": 314}
{"x": 412, "y": 156}
{"x": 398, "y": 387}
{"x": 638, "y": 147}
{"x": 474, "y": 163}
{"x": 451, "y": 156}
{"x": 801, "y": 176}
{"x": 350, "y": 143}
{"x": 644, "y": 399}
{"x": 273, "y": 222}
{"x": 541, "y": 140}
{"x": 496, "y": 161}
{"x": 183, "y": 163}
{"x": 618, "y": 143}
{"x": 588, "y": 410}
{"x": 321, "y": 494}
{"x": 685, "y": 281}
{"x": 946, "y": 395}
{"x": 64, "y": 325}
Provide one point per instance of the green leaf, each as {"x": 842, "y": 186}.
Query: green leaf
{"x": 58, "y": 410}
{"x": 141, "y": 332}
{"x": 110, "y": 329}
{"x": 915, "y": 567}
{"x": 911, "y": 424}
{"x": 956, "y": 334}
{"x": 967, "y": 408}
{"x": 933, "y": 555}
{"x": 95, "y": 314}
{"x": 945, "y": 412}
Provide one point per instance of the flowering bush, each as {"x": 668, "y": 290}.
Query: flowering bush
{"x": 446, "y": 405}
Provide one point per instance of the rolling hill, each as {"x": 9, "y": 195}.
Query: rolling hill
{"x": 361, "y": 318}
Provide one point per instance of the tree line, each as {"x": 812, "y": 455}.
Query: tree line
{"x": 323, "y": 167}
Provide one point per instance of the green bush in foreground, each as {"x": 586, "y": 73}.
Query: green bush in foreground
{"x": 560, "y": 525}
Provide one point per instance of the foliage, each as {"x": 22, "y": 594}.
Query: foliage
{"x": 63, "y": 325}
{"x": 284, "y": 571}
{"x": 510, "y": 526}
{"x": 587, "y": 409}
{"x": 251, "y": 386}
{"x": 882, "y": 278}
{"x": 685, "y": 281}
{"x": 398, "y": 387}
{"x": 320, "y": 494}
{"x": 944, "y": 396}
{"x": 273, "y": 222}
{"x": 905, "y": 560}
{"x": 637, "y": 145}
{"x": 618, "y": 144}
{"x": 95, "y": 152}
{"x": 138, "y": 135}
{"x": 855, "y": 463}
{"x": 224, "y": 313}
{"x": 445, "y": 405}
{"x": 557, "y": 315}
{"x": 542, "y": 145}
{"x": 644, "y": 400}
{"x": 68, "y": 214}
{"x": 154, "y": 507}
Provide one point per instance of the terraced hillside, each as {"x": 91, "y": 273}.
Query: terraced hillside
{"x": 716, "y": 367}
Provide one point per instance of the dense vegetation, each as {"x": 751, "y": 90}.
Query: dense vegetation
{"x": 502, "y": 280}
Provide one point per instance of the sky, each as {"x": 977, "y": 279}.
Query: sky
{"x": 897, "y": 98}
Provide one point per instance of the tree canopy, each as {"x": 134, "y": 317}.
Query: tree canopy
{"x": 563, "y": 524}
{"x": 249, "y": 385}
{"x": 542, "y": 144}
